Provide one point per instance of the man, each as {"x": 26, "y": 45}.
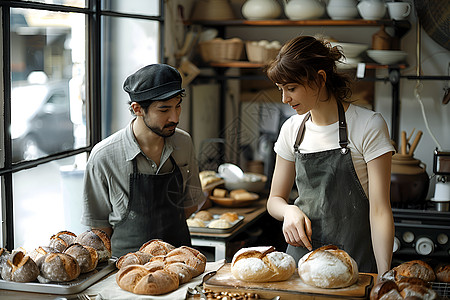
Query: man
{"x": 142, "y": 182}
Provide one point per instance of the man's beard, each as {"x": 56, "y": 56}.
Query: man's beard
{"x": 164, "y": 132}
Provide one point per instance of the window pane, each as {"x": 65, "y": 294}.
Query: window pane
{"x": 75, "y": 3}
{"x": 122, "y": 54}
{"x": 48, "y": 92}
{"x": 149, "y": 8}
{"x": 41, "y": 210}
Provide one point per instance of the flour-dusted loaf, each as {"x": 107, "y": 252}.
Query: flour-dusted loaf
{"x": 19, "y": 267}
{"x": 328, "y": 267}
{"x": 4, "y": 255}
{"x": 97, "y": 239}
{"x": 229, "y": 216}
{"x": 204, "y": 215}
{"x": 195, "y": 223}
{"x": 219, "y": 224}
{"x": 163, "y": 273}
{"x": 133, "y": 258}
{"x": 61, "y": 240}
{"x": 86, "y": 256}
{"x": 262, "y": 264}
{"x": 58, "y": 267}
{"x": 156, "y": 247}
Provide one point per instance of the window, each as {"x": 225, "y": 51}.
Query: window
{"x": 64, "y": 94}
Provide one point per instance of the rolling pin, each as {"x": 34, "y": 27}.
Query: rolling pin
{"x": 415, "y": 142}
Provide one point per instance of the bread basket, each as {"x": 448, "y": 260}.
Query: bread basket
{"x": 221, "y": 49}
{"x": 260, "y": 53}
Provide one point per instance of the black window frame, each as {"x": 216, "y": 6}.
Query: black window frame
{"x": 94, "y": 14}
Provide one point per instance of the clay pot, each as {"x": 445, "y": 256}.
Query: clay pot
{"x": 409, "y": 181}
{"x": 261, "y": 9}
{"x": 304, "y": 9}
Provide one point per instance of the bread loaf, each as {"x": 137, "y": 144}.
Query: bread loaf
{"x": 133, "y": 258}
{"x": 233, "y": 193}
{"x": 97, "y": 239}
{"x": 58, "y": 267}
{"x": 62, "y": 240}
{"x": 19, "y": 267}
{"x": 328, "y": 267}
{"x": 220, "y": 193}
{"x": 219, "y": 224}
{"x": 156, "y": 247}
{"x": 4, "y": 255}
{"x": 262, "y": 264}
{"x": 414, "y": 268}
{"x": 443, "y": 273}
{"x": 87, "y": 257}
{"x": 204, "y": 215}
{"x": 163, "y": 273}
{"x": 229, "y": 216}
{"x": 139, "y": 280}
{"x": 195, "y": 223}
{"x": 410, "y": 288}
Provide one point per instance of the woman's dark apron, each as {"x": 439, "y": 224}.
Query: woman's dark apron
{"x": 155, "y": 211}
{"x": 332, "y": 197}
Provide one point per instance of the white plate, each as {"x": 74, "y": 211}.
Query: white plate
{"x": 387, "y": 57}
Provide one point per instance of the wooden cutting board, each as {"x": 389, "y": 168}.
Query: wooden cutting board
{"x": 293, "y": 288}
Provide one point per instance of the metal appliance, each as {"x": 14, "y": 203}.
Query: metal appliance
{"x": 423, "y": 232}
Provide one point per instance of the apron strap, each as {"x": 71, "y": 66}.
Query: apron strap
{"x": 343, "y": 138}
{"x": 301, "y": 132}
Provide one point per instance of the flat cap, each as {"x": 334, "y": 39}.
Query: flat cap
{"x": 156, "y": 82}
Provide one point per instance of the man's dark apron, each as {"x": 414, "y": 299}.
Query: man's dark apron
{"x": 332, "y": 197}
{"x": 155, "y": 211}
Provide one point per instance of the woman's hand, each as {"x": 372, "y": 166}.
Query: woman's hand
{"x": 297, "y": 227}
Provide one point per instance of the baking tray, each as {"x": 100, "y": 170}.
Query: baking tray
{"x": 63, "y": 288}
{"x": 216, "y": 230}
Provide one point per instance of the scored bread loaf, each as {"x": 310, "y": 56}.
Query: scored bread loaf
{"x": 19, "y": 267}
{"x": 87, "y": 257}
{"x": 133, "y": 258}
{"x": 407, "y": 288}
{"x": 41, "y": 251}
{"x": 414, "y": 268}
{"x": 58, "y": 267}
{"x": 229, "y": 216}
{"x": 62, "y": 240}
{"x": 204, "y": 215}
{"x": 262, "y": 264}
{"x": 443, "y": 273}
{"x": 4, "y": 255}
{"x": 156, "y": 247}
{"x": 328, "y": 267}
{"x": 97, "y": 239}
{"x": 163, "y": 273}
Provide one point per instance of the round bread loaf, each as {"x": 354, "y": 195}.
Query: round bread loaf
{"x": 97, "y": 239}
{"x": 133, "y": 258}
{"x": 262, "y": 264}
{"x": 183, "y": 271}
{"x": 62, "y": 240}
{"x": 229, "y": 216}
{"x": 195, "y": 223}
{"x": 156, "y": 247}
{"x": 19, "y": 267}
{"x": 204, "y": 215}
{"x": 408, "y": 288}
{"x": 414, "y": 268}
{"x": 4, "y": 255}
{"x": 139, "y": 280}
{"x": 383, "y": 288}
{"x": 190, "y": 256}
{"x": 87, "y": 257}
{"x": 328, "y": 267}
{"x": 58, "y": 267}
{"x": 219, "y": 224}
{"x": 443, "y": 273}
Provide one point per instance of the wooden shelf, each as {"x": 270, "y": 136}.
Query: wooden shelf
{"x": 250, "y": 65}
{"x": 285, "y": 22}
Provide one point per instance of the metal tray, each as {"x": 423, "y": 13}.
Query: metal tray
{"x": 63, "y": 288}
{"x": 216, "y": 230}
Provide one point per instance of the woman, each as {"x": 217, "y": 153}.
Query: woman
{"x": 339, "y": 155}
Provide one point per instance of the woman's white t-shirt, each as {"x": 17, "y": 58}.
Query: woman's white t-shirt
{"x": 367, "y": 133}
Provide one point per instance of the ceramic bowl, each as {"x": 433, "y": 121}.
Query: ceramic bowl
{"x": 251, "y": 182}
{"x": 350, "y": 49}
{"x": 387, "y": 57}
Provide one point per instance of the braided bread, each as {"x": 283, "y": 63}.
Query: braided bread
{"x": 163, "y": 273}
{"x": 262, "y": 264}
{"x": 328, "y": 267}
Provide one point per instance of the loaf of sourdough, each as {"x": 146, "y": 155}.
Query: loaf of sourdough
{"x": 97, "y": 239}
{"x": 262, "y": 264}
{"x": 443, "y": 273}
{"x": 86, "y": 256}
{"x": 61, "y": 240}
{"x": 328, "y": 267}
{"x": 406, "y": 288}
{"x": 19, "y": 267}
{"x": 156, "y": 247}
{"x": 163, "y": 273}
{"x": 58, "y": 267}
{"x": 414, "y": 268}
{"x": 133, "y": 258}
